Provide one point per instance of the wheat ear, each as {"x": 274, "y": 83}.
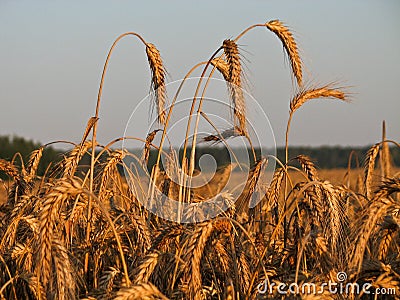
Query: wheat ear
{"x": 369, "y": 166}
{"x": 33, "y": 163}
{"x": 305, "y": 95}
{"x": 49, "y": 217}
{"x": 385, "y": 154}
{"x": 157, "y": 79}
{"x": 149, "y": 139}
{"x": 235, "y": 82}
{"x": 290, "y": 46}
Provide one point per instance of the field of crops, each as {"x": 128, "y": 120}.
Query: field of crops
{"x": 87, "y": 233}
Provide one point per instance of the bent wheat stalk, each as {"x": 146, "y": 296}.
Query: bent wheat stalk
{"x": 158, "y": 82}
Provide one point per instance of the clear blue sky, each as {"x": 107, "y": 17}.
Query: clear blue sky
{"x": 52, "y": 54}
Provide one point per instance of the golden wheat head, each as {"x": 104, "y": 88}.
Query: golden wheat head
{"x": 157, "y": 80}
{"x": 235, "y": 82}
{"x": 290, "y": 46}
{"x": 305, "y": 95}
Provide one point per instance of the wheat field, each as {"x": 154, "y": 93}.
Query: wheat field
{"x": 78, "y": 233}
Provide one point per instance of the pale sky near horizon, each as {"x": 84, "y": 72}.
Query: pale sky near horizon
{"x": 52, "y": 54}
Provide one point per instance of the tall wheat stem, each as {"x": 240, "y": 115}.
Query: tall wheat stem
{"x": 286, "y": 174}
{"x": 94, "y": 135}
{"x": 164, "y": 133}
{"x": 194, "y": 100}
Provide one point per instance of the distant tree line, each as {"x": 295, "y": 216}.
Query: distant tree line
{"x": 9, "y": 146}
{"x": 330, "y": 157}
{"x": 325, "y": 157}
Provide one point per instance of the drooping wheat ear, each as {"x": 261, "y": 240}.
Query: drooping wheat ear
{"x": 140, "y": 291}
{"x": 139, "y": 222}
{"x": 149, "y": 139}
{"x": 273, "y": 194}
{"x": 167, "y": 235}
{"x": 71, "y": 162}
{"x": 194, "y": 253}
{"x": 157, "y": 80}
{"x": 290, "y": 46}
{"x": 224, "y": 135}
{"x": 335, "y": 218}
{"x": 243, "y": 201}
{"x": 49, "y": 217}
{"x": 389, "y": 228}
{"x": 235, "y": 82}
{"x": 224, "y": 259}
{"x": 19, "y": 186}
{"x": 116, "y": 157}
{"x": 66, "y": 284}
{"x": 33, "y": 163}
{"x": 91, "y": 122}
{"x": 369, "y": 166}
{"x": 22, "y": 205}
{"x": 305, "y": 95}
{"x": 146, "y": 267}
{"x": 314, "y": 198}
{"x": 244, "y": 271}
{"x": 10, "y": 169}
{"x": 380, "y": 204}
{"x": 308, "y": 167}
